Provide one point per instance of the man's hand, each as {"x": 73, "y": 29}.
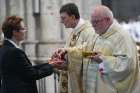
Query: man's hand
{"x": 96, "y": 58}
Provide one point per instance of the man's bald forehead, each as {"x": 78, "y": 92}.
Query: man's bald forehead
{"x": 102, "y": 11}
{"x": 101, "y": 7}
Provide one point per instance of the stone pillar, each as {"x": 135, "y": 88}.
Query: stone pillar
{"x": 2, "y": 11}
{"x": 87, "y": 7}
{"x": 50, "y": 21}
{"x": 16, "y": 7}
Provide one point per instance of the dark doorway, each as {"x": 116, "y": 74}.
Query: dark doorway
{"x": 124, "y": 9}
{"x": 107, "y": 3}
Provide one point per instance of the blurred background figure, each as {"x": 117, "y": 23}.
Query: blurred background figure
{"x": 133, "y": 26}
{"x": 1, "y": 42}
{"x": 1, "y": 37}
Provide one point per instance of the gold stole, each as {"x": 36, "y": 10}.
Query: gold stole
{"x": 72, "y": 43}
{"x": 64, "y": 79}
{"x": 74, "y": 39}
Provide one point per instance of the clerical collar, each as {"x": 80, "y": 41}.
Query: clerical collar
{"x": 114, "y": 22}
{"x": 110, "y": 30}
{"x": 80, "y": 23}
{"x": 13, "y": 43}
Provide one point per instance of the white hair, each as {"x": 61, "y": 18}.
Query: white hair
{"x": 107, "y": 12}
{"x": 104, "y": 11}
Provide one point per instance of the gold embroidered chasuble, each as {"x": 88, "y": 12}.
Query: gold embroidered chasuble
{"x": 121, "y": 65}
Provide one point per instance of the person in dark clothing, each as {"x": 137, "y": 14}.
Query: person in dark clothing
{"x": 16, "y": 71}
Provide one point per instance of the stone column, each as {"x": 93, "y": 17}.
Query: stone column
{"x": 87, "y": 7}
{"x": 16, "y": 7}
{"x": 50, "y": 21}
{"x": 2, "y": 11}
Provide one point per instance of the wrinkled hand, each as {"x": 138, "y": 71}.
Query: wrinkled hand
{"x": 96, "y": 58}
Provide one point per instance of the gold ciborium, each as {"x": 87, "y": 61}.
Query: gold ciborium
{"x": 88, "y": 53}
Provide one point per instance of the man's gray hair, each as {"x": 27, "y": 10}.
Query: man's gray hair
{"x": 104, "y": 11}
{"x": 107, "y": 12}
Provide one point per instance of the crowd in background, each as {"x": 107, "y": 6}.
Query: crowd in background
{"x": 133, "y": 26}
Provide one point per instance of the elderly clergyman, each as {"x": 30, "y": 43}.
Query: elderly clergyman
{"x": 115, "y": 68}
